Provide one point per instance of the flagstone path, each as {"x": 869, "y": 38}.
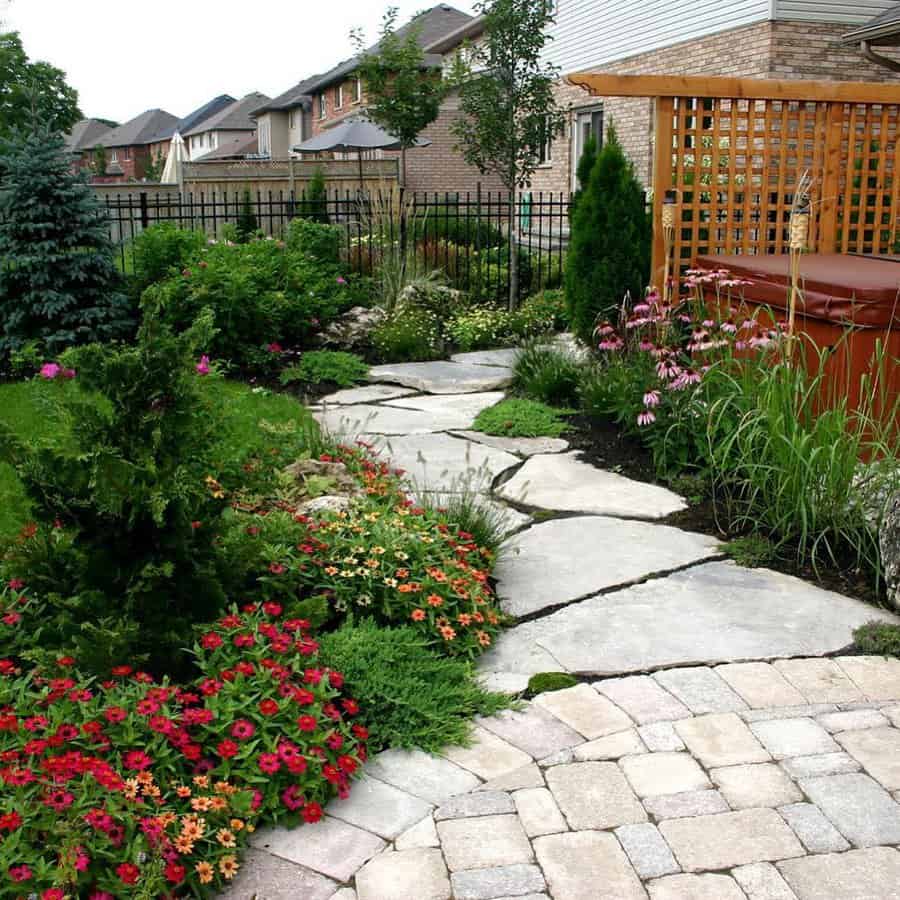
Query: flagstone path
{"x": 710, "y": 750}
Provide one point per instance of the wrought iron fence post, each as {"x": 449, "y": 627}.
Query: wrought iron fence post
{"x": 145, "y": 212}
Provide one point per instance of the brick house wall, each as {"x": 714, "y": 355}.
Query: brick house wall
{"x": 762, "y": 50}
{"x": 131, "y": 160}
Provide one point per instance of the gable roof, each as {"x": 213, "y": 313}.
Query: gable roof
{"x": 235, "y": 148}
{"x": 149, "y": 127}
{"x": 86, "y": 134}
{"x": 296, "y": 96}
{"x": 202, "y": 113}
{"x": 883, "y": 30}
{"x": 472, "y": 29}
{"x": 234, "y": 117}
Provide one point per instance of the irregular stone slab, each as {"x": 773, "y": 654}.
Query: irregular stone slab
{"x": 264, "y": 875}
{"x": 439, "y": 463}
{"x": 443, "y": 377}
{"x": 691, "y": 803}
{"x": 372, "y": 393}
{"x": 762, "y": 881}
{"x": 817, "y": 834}
{"x": 331, "y": 847}
{"x": 701, "y": 690}
{"x": 424, "y": 834}
{"x": 529, "y": 575}
{"x": 814, "y": 766}
{"x": 652, "y": 774}
{"x": 538, "y": 812}
{"x": 583, "y": 709}
{"x": 485, "y": 884}
{"x": 429, "y": 777}
{"x": 520, "y": 446}
{"x": 516, "y": 656}
{"x": 731, "y": 839}
{"x": 878, "y": 749}
{"x": 485, "y": 842}
{"x": 858, "y": 875}
{"x": 857, "y": 806}
{"x": 613, "y": 746}
{"x": 721, "y": 740}
{"x": 649, "y": 853}
{"x": 505, "y": 357}
{"x": 763, "y": 784}
{"x": 380, "y": 808}
{"x": 819, "y": 680}
{"x": 533, "y": 730}
{"x": 342, "y": 894}
{"x": 793, "y": 737}
{"x": 488, "y": 756}
{"x": 807, "y": 711}
{"x": 594, "y": 795}
{"x": 760, "y": 685}
{"x": 481, "y": 803}
{"x": 587, "y": 866}
{"x": 852, "y": 720}
{"x": 527, "y": 777}
{"x": 406, "y": 875}
{"x": 878, "y": 678}
{"x": 660, "y": 737}
{"x": 695, "y": 887}
{"x": 643, "y": 699}
{"x": 564, "y": 483}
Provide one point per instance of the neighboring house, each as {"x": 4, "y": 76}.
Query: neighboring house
{"x": 83, "y": 138}
{"x": 231, "y": 123}
{"x": 245, "y": 146}
{"x": 880, "y": 32}
{"x": 744, "y": 38}
{"x": 128, "y": 146}
{"x": 285, "y": 121}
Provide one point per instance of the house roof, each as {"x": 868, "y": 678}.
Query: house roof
{"x": 472, "y": 29}
{"x": 202, "y": 113}
{"x": 86, "y": 134}
{"x": 234, "y": 148}
{"x": 234, "y": 117}
{"x": 296, "y": 96}
{"x": 883, "y": 30}
{"x": 148, "y": 128}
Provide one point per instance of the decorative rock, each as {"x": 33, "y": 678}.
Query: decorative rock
{"x": 878, "y": 749}
{"x": 485, "y": 884}
{"x": 429, "y": 777}
{"x": 691, "y": 803}
{"x": 763, "y": 784}
{"x": 422, "y": 835}
{"x": 533, "y": 730}
{"x": 889, "y": 544}
{"x": 371, "y": 393}
{"x": 660, "y": 736}
{"x": 270, "y": 878}
{"x": 352, "y": 330}
{"x": 721, "y": 740}
{"x": 484, "y": 842}
{"x": 587, "y": 866}
{"x": 762, "y": 881}
{"x": 583, "y": 709}
{"x": 816, "y": 833}
{"x": 701, "y": 690}
{"x": 528, "y": 573}
{"x": 481, "y": 803}
{"x": 504, "y": 357}
{"x": 538, "y": 812}
{"x": 566, "y": 484}
{"x": 814, "y": 766}
{"x": 730, "y": 839}
{"x": 859, "y": 808}
{"x": 878, "y": 678}
{"x": 406, "y": 875}
{"x": 488, "y": 756}
{"x": 695, "y": 887}
{"x": 331, "y": 504}
{"x": 443, "y": 377}
{"x": 643, "y": 699}
{"x": 652, "y": 774}
{"x": 852, "y": 720}
{"x": 380, "y": 808}
{"x": 649, "y": 853}
{"x": 527, "y": 777}
{"x": 613, "y": 746}
{"x": 858, "y": 875}
{"x": 760, "y": 685}
{"x": 819, "y": 680}
{"x": 594, "y": 795}
{"x": 333, "y": 848}
{"x": 520, "y": 446}
{"x": 793, "y": 737}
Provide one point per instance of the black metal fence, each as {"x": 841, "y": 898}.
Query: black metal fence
{"x": 464, "y": 235}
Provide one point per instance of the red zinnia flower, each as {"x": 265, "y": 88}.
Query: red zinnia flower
{"x": 175, "y": 873}
{"x": 307, "y": 723}
{"x": 268, "y": 707}
{"x": 312, "y": 812}
{"x": 243, "y": 730}
{"x": 269, "y": 763}
{"x": 136, "y": 759}
{"x": 211, "y": 641}
{"x": 20, "y": 873}
{"x": 128, "y": 872}
{"x": 226, "y": 749}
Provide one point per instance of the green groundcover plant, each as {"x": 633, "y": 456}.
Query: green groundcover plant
{"x": 520, "y": 417}
{"x": 327, "y": 366}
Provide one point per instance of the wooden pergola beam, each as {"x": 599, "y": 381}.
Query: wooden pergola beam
{"x": 603, "y": 85}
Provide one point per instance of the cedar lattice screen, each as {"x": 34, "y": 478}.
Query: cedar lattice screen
{"x": 734, "y": 149}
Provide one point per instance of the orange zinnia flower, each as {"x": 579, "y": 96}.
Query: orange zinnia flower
{"x": 447, "y": 633}
{"x": 205, "y": 871}
{"x": 418, "y": 615}
{"x": 228, "y": 866}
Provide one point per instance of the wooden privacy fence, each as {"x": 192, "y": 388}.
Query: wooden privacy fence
{"x": 733, "y": 150}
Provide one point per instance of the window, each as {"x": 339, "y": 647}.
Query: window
{"x": 127, "y": 153}
{"x": 114, "y": 156}
{"x": 323, "y": 106}
{"x": 357, "y": 90}
{"x": 292, "y": 120}
{"x": 339, "y": 96}
{"x": 264, "y": 138}
{"x": 545, "y": 148}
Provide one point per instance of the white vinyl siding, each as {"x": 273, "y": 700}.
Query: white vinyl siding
{"x": 844, "y": 12}
{"x": 591, "y": 32}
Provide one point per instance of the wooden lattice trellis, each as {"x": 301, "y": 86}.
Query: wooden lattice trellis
{"x": 734, "y": 150}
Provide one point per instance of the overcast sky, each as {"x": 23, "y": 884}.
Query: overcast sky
{"x": 126, "y": 57}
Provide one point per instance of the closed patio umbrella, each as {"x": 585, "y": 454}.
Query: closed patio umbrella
{"x": 173, "y": 172}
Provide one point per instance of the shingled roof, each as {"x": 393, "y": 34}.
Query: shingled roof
{"x": 207, "y": 111}
{"x": 883, "y": 30}
{"x": 296, "y": 96}
{"x": 234, "y": 117}
{"x": 149, "y": 127}
{"x": 86, "y": 134}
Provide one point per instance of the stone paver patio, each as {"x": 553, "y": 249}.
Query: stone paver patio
{"x": 709, "y": 752}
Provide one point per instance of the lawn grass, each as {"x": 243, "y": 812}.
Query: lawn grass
{"x": 28, "y": 407}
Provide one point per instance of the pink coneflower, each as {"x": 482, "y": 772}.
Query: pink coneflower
{"x": 646, "y": 418}
{"x": 647, "y": 346}
{"x": 611, "y": 344}
{"x": 651, "y": 399}
{"x": 729, "y": 327}
{"x": 203, "y": 366}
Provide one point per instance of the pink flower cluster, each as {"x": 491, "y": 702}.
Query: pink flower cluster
{"x": 51, "y": 371}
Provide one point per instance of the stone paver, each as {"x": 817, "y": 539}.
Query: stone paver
{"x": 594, "y": 795}
{"x": 819, "y": 680}
{"x": 443, "y": 377}
{"x": 649, "y": 853}
{"x": 762, "y": 881}
{"x": 481, "y": 803}
{"x": 690, "y": 803}
{"x": 721, "y": 740}
{"x": 826, "y": 764}
{"x": 503, "y": 881}
{"x": 422, "y": 834}
{"x": 878, "y": 749}
{"x": 488, "y": 756}
{"x": 519, "y": 446}
{"x": 485, "y": 842}
{"x": 858, "y": 875}
{"x": 876, "y": 677}
{"x": 760, "y": 685}
{"x": 701, "y": 690}
{"x": 380, "y": 808}
{"x": 370, "y": 393}
{"x": 587, "y": 866}
{"x": 731, "y": 839}
{"x": 405, "y": 875}
{"x": 533, "y": 730}
{"x": 643, "y": 699}
{"x": 272, "y": 878}
{"x": 527, "y": 777}
{"x": 794, "y": 737}
{"x": 583, "y": 709}
{"x": 429, "y": 777}
{"x": 763, "y": 784}
{"x": 695, "y": 887}
{"x": 816, "y": 833}
{"x": 538, "y": 812}
{"x": 660, "y": 736}
{"x": 613, "y": 746}
{"x": 852, "y": 720}
{"x": 652, "y": 774}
